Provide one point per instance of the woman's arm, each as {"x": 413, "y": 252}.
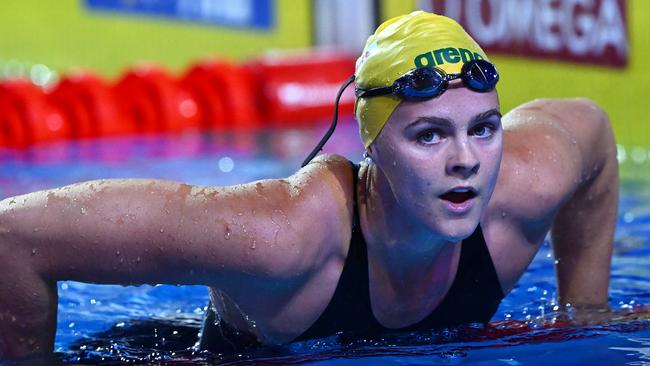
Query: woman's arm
{"x": 144, "y": 231}
{"x": 583, "y": 231}
{"x": 567, "y": 152}
{"x": 559, "y": 172}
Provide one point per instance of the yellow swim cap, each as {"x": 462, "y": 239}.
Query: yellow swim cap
{"x": 402, "y": 44}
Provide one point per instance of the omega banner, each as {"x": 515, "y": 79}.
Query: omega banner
{"x": 585, "y": 31}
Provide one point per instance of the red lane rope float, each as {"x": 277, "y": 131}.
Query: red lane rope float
{"x": 225, "y": 94}
{"x": 279, "y": 90}
{"x": 89, "y": 103}
{"x": 28, "y": 118}
{"x": 155, "y": 102}
{"x": 300, "y": 89}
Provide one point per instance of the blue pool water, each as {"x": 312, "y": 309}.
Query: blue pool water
{"x": 156, "y": 324}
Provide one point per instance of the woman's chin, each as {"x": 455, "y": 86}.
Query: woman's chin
{"x": 457, "y": 230}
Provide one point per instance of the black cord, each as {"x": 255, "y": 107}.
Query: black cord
{"x": 329, "y": 133}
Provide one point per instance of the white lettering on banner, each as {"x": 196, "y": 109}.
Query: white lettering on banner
{"x": 611, "y": 28}
{"x": 548, "y": 17}
{"x": 583, "y": 28}
{"x": 519, "y": 19}
{"x": 578, "y": 42}
{"x": 487, "y": 32}
{"x": 453, "y": 8}
{"x": 231, "y": 11}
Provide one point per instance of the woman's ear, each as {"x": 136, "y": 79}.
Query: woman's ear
{"x": 367, "y": 155}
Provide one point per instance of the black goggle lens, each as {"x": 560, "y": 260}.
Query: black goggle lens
{"x": 422, "y": 83}
{"x": 479, "y": 75}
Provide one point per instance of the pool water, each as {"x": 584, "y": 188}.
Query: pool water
{"x": 158, "y": 324}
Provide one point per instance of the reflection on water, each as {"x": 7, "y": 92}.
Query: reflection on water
{"x": 508, "y": 343}
{"x": 214, "y": 159}
{"x": 642, "y": 353}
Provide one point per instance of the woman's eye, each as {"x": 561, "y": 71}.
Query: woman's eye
{"x": 483, "y": 131}
{"x": 429, "y": 137}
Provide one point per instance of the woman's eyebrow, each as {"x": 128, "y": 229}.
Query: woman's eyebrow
{"x": 445, "y": 122}
{"x": 484, "y": 115}
{"x": 431, "y": 120}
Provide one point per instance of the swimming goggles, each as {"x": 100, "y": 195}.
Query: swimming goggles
{"x": 417, "y": 85}
{"x": 429, "y": 82}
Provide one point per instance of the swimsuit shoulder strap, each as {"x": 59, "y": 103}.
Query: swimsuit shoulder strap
{"x": 355, "y": 203}
{"x": 349, "y": 307}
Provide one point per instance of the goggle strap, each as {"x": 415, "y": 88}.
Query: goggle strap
{"x": 329, "y": 132}
{"x": 374, "y": 92}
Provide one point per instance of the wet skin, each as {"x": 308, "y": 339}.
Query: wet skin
{"x": 425, "y": 150}
{"x": 277, "y": 247}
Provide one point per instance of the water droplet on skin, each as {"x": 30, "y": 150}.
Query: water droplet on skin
{"x": 137, "y": 260}
{"x": 253, "y": 244}
{"x": 33, "y": 251}
{"x": 503, "y": 214}
{"x": 117, "y": 254}
{"x": 162, "y": 230}
{"x": 226, "y": 235}
{"x": 36, "y": 229}
{"x": 83, "y": 210}
{"x": 240, "y": 213}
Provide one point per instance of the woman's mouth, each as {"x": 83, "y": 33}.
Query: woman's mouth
{"x": 459, "y": 199}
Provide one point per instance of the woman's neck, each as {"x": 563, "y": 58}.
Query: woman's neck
{"x": 396, "y": 240}
{"x": 407, "y": 262}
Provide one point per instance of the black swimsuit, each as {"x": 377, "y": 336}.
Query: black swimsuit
{"x": 474, "y": 296}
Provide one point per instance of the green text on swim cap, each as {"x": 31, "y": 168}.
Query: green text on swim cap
{"x": 449, "y": 55}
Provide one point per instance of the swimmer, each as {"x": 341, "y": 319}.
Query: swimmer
{"x": 433, "y": 228}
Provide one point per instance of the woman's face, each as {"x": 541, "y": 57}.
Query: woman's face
{"x": 441, "y": 157}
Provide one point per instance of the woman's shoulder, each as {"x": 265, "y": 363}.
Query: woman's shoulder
{"x": 325, "y": 188}
{"x": 545, "y": 143}
{"x": 329, "y": 178}
{"x": 330, "y": 172}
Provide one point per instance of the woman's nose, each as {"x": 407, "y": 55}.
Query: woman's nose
{"x": 463, "y": 161}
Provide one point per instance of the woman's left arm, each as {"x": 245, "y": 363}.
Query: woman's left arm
{"x": 582, "y": 233}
